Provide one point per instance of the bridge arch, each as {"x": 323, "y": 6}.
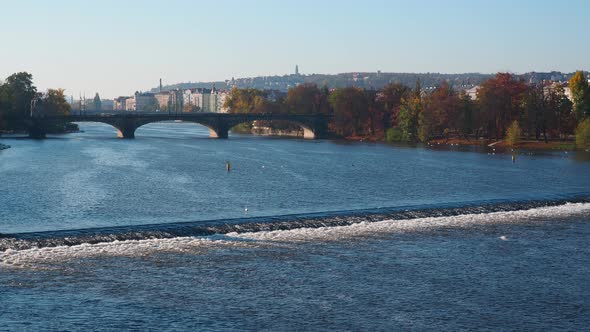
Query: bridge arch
{"x": 308, "y": 130}
{"x": 110, "y": 124}
{"x": 212, "y": 130}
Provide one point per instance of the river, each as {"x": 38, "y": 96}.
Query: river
{"x": 101, "y": 232}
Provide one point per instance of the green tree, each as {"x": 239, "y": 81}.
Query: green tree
{"x": 580, "y": 95}
{"x": 16, "y": 94}
{"x": 583, "y": 134}
{"x": 513, "y": 134}
{"x": 97, "y": 103}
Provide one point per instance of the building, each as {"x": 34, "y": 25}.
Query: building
{"x": 130, "y": 104}
{"x": 106, "y": 105}
{"x": 217, "y": 100}
{"x": 198, "y": 97}
{"x": 472, "y": 93}
{"x": 145, "y": 101}
{"x": 163, "y": 99}
{"x": 120, "y": 103}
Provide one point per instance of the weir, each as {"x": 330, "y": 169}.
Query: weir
{"x": 19, "y": 241}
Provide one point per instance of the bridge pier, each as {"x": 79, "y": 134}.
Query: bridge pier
{"x": 218, "y": 133}
{"x": 126, "y": 132}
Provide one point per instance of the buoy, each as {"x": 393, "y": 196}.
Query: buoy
{"x": 228, "y": 166}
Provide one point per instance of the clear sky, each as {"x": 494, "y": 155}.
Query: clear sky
{"x": 118, "y": 47}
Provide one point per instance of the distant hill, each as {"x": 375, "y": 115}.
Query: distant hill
{"x": 372, "y": 80}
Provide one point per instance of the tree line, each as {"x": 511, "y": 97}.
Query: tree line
{"x": 399, "y": 113}
{"x": 19, "y": 99}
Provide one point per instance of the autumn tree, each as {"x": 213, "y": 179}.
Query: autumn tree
{"x": 500, "y": 102}
{"x": 244, "y": 100}
{"x": 350, "y": 111}
{"x": 580, "y": 95}
{"x": 375, "y": 114}
{"x": 190, "y": 108}
{"x": 535, "y": 113}
{"x": 391, "y": 97}
{"x": 409, "y": 115}
{"x": 54, "y": 102}
{"x": 307, "y": 99}
{"x": 440, "y": 114}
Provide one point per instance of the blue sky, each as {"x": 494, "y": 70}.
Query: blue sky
{"x": 118, "y": 47}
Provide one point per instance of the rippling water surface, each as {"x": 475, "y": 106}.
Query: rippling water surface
{"x": 336, "y": 235}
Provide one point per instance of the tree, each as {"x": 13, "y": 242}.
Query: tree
{"x": 580, "y": 95}
{"x": 561, "y": 119}
{"x": 16, "y": 94}
{"x": 391, "y": 97}
{"x": 307, "y": 99}
{"x": 97, "y": 103}
{"x": 467, "y": 115}
{"x": 500, "y": 101}
{"x": 350, "y": 111}
{"x": 190, "y": 108}
{"x": 535, "y": 116}
{"x": 244, "y": 100}
{"x": 54, "y": 103}
{"x": 513, "y": 134}
{"x": 583, "y": 134}
{"x": 409, "y": 115}
{"x": 374, "y": 125}
{"x": 440, "y": 114}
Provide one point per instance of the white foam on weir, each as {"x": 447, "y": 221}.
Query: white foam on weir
{"x": 40, "y": 257}
{"x": 416, "y": 225}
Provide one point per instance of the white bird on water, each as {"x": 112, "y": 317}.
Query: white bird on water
{"x": 246, "y": 210}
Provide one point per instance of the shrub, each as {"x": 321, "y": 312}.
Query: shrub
{"x": 583, "y": 134}
{"x": 394, "y": 135}
{"x": 513, "y": 134}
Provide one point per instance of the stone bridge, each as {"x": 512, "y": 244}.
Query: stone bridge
{"x": 314, "y": 126}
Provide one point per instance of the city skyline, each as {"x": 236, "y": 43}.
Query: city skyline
{"x": 117, "y": 48}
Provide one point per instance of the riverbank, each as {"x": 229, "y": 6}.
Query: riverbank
{"x": 528, "y": 145}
